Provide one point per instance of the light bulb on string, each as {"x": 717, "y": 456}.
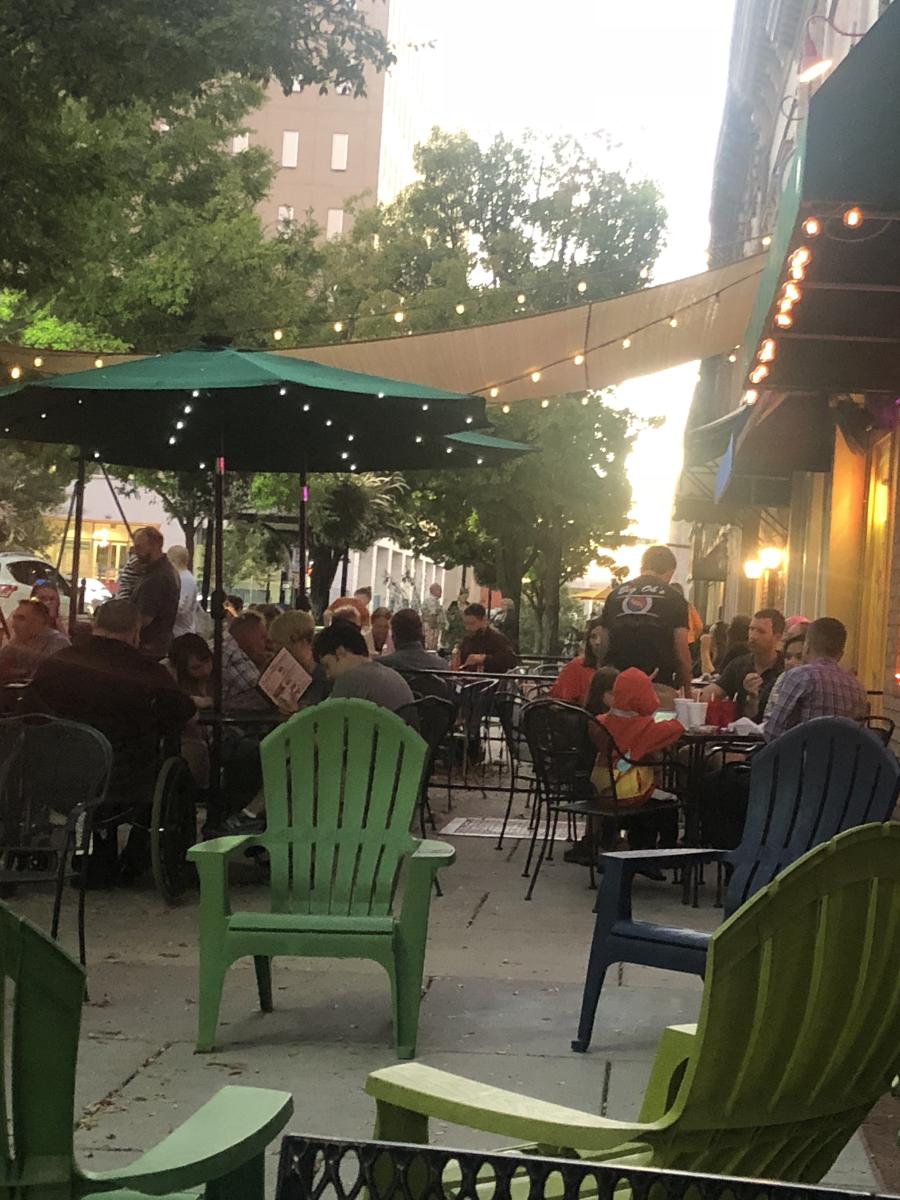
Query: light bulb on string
{"x": 329, "y": 423}
{"x": 505, "y": 408}
{"x": 96, "y": 454}
{"x": 277, "y": 334}
{"x": 626, "y": 343}
{"x": 38, "y": 362}
{"x": 673, "y": 322}
{"x": 545, "y": 404}
{"x": 43, "y": 416}
{"x": 344, "y": 454}
{"x": 16, "y": 373}
{"x": 582, "y": 286}
{"x": 460, "y": 309}
{"x": 179, "y": 424}
{"x": 520, "y": 299}
{"x": 171, "y": 441}
{"x": 758, "y": 374}
{"x": 732, "y": 358}
{"x": 767, "y": 351}
{"x": 469, "y": 420}
{"x": 784, "y": 320}
{"x": 578, "y": 359}
{"x": 339, "y": 327}
{"x": 535, "y": 377}
{"x": 853, "y": 218}
{"x": 306, "y": 408}
{"x": 188, "y": 410}
{"x": 584, "y": 401}
{"x": 766, "y": 241}
{"x": 812, "y": 226}
{"x": 750, "y": 397}
{"x": 418, "y": 439}
{"x": 424, "y": 408}
{"x": 353, "y": 466}
{"x": 381, "y": 395}
{"x": 798, "y": 271}
{"x": 398, "y": 317}
{"x": 494, "y": 393}
{"x": 479, "y": 461}
{"x": 792, "y": 293}
{"x": 282, "y": 391}
{"x": 196, "y": 393}
{"x": 449, "y": 449}
{"x": 802, "y": 255}
{"x": 98, "y": 362}
{"x": 350, "y": 437}
{"x": 203, "y": 466}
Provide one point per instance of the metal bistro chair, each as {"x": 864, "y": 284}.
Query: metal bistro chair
{"x": 53, "y": 777}
{"x": 476, "y": 703}
{"x": 435, "y": 717}
{"x": 563, "y": 755}
{"x": 510, "y": 707}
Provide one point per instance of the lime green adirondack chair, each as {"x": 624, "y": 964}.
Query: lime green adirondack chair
{"x": 341, "y": 783}
{"x": 221, "y": 1146}
{"x": 799, "y": 1035}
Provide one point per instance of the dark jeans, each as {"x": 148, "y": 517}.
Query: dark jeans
{"x": 723, "y": 806}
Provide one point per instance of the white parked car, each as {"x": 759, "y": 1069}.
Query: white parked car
{"x": 19, "y": 572}
{"x": 95, "y": 593}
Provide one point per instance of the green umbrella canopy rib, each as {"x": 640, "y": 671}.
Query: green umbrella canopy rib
{"x": 262, "y": 412}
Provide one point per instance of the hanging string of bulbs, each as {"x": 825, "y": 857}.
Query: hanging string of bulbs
{"x": 790, "y": 293}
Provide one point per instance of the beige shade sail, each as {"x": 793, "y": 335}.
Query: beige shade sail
{"x": 664, "y": 326}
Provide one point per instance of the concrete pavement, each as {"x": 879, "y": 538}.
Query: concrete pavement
{"x": 503, "y": 989}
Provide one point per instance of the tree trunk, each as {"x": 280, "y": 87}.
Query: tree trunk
{"x": 552, "y": 583}
{"x": 324, "y": 565}
{"x": 188, "y": 524}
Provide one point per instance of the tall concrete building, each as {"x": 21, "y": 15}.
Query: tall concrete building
{"x": 332, "y": 148}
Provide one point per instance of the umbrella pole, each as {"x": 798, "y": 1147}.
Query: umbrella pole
{"x": 302, "y": 601}
{"x": 214, "y": 809}
{"x": 75, "y": 593}
{"x": 207, "y": 564}
{"x": 345, "y": 571}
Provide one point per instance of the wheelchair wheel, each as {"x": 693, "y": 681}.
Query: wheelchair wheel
{"x": 173, "y": 829}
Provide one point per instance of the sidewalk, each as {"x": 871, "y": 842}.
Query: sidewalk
{"x": 503, "y": 990}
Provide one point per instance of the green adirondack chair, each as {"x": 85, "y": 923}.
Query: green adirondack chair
{"x": 341, "y": 783}
{"x": 221, "y": 1146}
{"x": 798, "y": 1036}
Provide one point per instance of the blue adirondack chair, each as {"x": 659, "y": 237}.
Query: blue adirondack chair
{"x": 222, "y": 1146}
{"x": 811, "y": 784}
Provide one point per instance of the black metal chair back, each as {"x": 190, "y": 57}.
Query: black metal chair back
{"x": 429, "y": 683}
{"x": 882, "y": 727}
{"x": 561, "y": 748}
{"x": 813, "y": 782}
{"x": 435, "y": 717}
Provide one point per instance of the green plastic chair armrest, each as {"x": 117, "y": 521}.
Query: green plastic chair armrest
{"x": 445, "y": 1097}
{"x": 439, "y": 853}
{"x": 232, "y": 1128}
{"x": 221, "y": 847}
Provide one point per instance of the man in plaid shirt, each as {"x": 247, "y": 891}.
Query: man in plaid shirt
{"x": 819, "y": 688}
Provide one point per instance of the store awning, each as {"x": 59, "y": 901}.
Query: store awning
{"x": 633, "y": 335}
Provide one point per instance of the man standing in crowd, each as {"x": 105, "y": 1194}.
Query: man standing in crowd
{"x": 186, "y": 616}
{"x": 34, "y": 638}
{"x": 648, "y": 622}
{"x": 750, "y": 677}
{"x": 156, "y": 592}
{"x": 434, "y": 619}
{"x": 484, "y": 648}
{"x": 820, "y": 687}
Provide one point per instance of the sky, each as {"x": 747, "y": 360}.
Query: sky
{"x": 649, "y": 73}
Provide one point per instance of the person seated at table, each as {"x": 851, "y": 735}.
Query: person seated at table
{"x": 354, "y": 609}
{"x": 421, "y": 668}
{"x": 748, "y": 679}
{"x": 342, "y": 651}
{"x": 574, "y": 680}
{"x": 484, "y": 648}
{"x": 48, "y": 593}
{"x": 381, "y": 631}
{"x": 191, "y": 663}
{"x": 637, "y": 735}
{"x": 723, "y": 643}
{"x": 599, "y": 700}
{"x": 246, "y": 652}
{"x": 34, "y": 638}
{"x": 819, "y": 687}
{"x": 108, "y": 683}
{"x": 294, "y": 631}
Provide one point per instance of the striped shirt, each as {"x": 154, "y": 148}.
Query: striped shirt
{"x": 817, "y": 689}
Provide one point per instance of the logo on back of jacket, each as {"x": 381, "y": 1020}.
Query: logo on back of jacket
{"x": 639, "y": 601}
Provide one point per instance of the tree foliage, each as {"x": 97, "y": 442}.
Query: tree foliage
{"x": 101, "y": 62}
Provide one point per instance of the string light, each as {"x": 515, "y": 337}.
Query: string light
{"x": 350, "y": 437}
{"x": 535, "y": 377}
{"x": 16, "y": 373}
{"x": 381, "y": 395}
{"x": 398, "y": 316}
{"x": 479, "y": 461}
{"x": 750, "y": 397}
{"x": 329, "y": 423}
{"x": 171, "y": 441}
{"x": 578, "y": 360}
{"x": 732, "y": 358}
{"x": 520, "y": 299}
{"x": 545, "y": 404}
{"x": 339, "y": 327}
{"x": 196, "y": 393}
{"x": 802, "y": 255}
{"x": 179, "y": 424}
{"x": 353, "y": 466}
{"x": 188, "y": 410}
{"x": 418, "y": 439}
{"x": 758, "y": 374}
{"x": 626, "y": 343}
{"x": 853, "y": 218}
{"x": 582, "y": 286}
{"x": 468, "y": 420}
{"x": 784, "y": 320}
{"x": 344, "y": 454}
{"x": 306, "y": 408}
{"x": 43, "y": 416}
{"x": 460, "y": 309}
{"x": 277, "y": 334}
{"x": 282, "y": 391}
{"x": 812, "y": 226}
{"x": 584, "y": 401}
{"x": 449, "y": 449}
{"x": 505, "y": 409}
{"x": 96, "y": 454}
{"x": 424, "y": 408}
{"x": 39, "y": 362}
{"x": 767, "y": 351}
{"x": 766, "y": 241}
{"x": 495, "y": 392}
{"x": 798, "y": 271}
{"x": 792, "y": 293}
{"x": 673, "y": 322}
{"x": 202, "y": 466}
{"x": 98, "y": 362}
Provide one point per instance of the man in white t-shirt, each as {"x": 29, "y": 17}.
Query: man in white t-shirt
{"x": 187, "y": 600}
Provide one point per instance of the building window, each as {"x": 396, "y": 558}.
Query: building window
{"x": 340, "y": 144}
{"x": 290, "y": 148}
{"x": 334, "y": 226}
{"x": 285, "y": 215}
{"x": 240, "y": 142}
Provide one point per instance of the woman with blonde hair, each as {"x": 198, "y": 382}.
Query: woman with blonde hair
{"x": 293, "y": 631}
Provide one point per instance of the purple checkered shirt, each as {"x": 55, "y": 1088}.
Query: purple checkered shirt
{"x": 817, "y": 689}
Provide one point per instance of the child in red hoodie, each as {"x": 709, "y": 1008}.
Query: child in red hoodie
{"x": 637, "y": 736}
